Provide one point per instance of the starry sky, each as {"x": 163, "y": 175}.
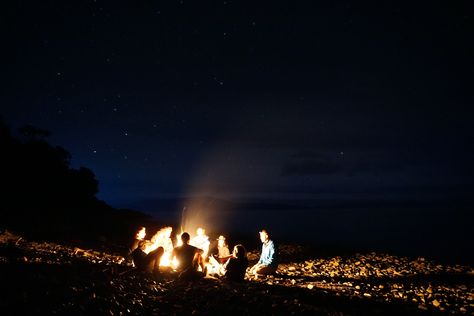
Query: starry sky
{"x": 274, "y": 100}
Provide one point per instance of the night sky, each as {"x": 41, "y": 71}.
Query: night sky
{"x": 288, "y": 101}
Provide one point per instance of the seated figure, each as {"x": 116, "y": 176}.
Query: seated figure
{"x": 236, "y": 266}
{"x": 223, "y": 253}
{"x": 147, "y": 262}
{"x": 189, "y": 259}
{"x": 268, "y": 262}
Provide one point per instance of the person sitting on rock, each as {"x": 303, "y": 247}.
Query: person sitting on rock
{"x": 236, "y": 266}
{"x": 223, "y": 253}
{"x": 268, "y": 262}
{"x": 201, "y": 241}
{"x": 139, "y": 237}
{"x": 147, "y": 262}
{"x": 189, "y": 259}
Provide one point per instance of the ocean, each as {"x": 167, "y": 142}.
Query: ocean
{"x": 440, "y": 233}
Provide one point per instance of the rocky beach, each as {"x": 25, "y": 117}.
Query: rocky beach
{"x": 40, "y": 277}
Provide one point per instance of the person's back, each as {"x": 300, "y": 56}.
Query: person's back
{"x": 189, "y": 259}
{"x": 237, "y": 264}
{"x": 139, "y": 258}
{"x": 185, "y": 255}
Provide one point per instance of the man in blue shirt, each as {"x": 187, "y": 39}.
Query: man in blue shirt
{"x": 268, "y": 262}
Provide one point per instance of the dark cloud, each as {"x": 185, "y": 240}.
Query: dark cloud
{"x": 309, "y": 163}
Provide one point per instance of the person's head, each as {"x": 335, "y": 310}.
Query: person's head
{"x": 185, "y": 238}
{"x": 239, "y": 251}
{"x": 200, "y": 231}
{"x": 264, "y": 235}
{"x": 142, "y": 245}
{"x": 221, "y": 241}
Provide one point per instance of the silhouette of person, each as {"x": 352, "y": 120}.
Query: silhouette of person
{"x": 189, "y": 259}
{"x": 147, "y": 262}
{"x": 236, "y": 266}
{"x": 139, "y": 237}
{"x": 268, "y": 262}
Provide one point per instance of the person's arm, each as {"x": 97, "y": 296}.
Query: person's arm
{"x": 262, "y": 255}
{"x": 134, "y": 245}
{"x": 198, "y": 256}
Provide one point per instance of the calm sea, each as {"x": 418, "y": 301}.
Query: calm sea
{"x": 437, "y": 233}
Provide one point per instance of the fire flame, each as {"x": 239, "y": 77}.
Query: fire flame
{"x": 141, "y": 234}
{"x": 162, "y": 238}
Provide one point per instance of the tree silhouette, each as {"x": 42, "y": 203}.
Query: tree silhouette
{"x": 43, "y": 196}
{"x": 33, "y": 132}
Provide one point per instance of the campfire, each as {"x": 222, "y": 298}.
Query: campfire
{"x": 162, "y": 238}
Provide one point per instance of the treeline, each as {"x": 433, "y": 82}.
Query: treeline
{"x": 43, "y": 197}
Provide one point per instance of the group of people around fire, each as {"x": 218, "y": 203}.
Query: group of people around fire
{"x": 190, "y": 255}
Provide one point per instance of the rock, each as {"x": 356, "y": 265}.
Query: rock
{"x": 97, "y": 283}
